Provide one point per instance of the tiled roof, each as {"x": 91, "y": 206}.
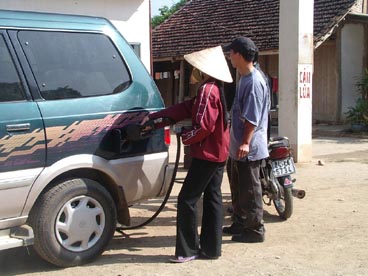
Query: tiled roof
{"x": 206, "y": 23}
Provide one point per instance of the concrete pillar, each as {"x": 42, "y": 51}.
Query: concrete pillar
{"x": 295, "y": 75}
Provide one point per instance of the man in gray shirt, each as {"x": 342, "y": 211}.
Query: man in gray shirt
{"x": 248, "y": 143}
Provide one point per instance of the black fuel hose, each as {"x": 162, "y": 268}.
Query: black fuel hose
{"x": 177, "y": 159}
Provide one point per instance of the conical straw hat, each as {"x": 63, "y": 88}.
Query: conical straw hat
{"x": 212, "y": 62}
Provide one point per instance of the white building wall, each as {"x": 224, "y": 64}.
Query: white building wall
{"x": 131, "y": 17}
{"x": 352, "y": 49}
{"x": 358, "y": 7}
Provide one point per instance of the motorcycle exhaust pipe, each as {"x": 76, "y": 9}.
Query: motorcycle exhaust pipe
{"x": 298, "y": 193}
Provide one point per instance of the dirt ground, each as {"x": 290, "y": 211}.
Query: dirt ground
{"x": 326, "y": 235}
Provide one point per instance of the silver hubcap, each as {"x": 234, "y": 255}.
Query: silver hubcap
{"x": 80, "y": 223}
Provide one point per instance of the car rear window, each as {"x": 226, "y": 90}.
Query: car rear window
{"x": 74, "y": 65}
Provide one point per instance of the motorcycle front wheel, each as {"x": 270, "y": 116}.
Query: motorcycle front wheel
{"x": 284, "y": 202}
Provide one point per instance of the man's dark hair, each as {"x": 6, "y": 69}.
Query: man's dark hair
{"x": 249, "y": 54}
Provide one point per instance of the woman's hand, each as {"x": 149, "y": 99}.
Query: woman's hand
{"x": 145, "y": 120}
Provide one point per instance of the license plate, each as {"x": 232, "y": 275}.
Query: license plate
{"x": 283, "y": 167}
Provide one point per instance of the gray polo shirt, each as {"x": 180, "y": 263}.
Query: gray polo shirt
{"x": 251, "y": 103}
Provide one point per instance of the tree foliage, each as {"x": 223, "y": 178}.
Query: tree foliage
{"x": 165, "y": 13}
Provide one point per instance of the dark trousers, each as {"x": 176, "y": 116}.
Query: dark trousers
{"x": 203, "y": 177}
{"x": 246, "y": 193}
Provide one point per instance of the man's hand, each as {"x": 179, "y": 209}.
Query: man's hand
{"x": 243, "y": 151}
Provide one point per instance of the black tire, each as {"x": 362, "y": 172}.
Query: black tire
{"x": 284, "y": 204}
{"x": 73, "y": 222}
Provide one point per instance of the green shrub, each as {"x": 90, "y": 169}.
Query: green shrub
{"x": 359, "y": 113}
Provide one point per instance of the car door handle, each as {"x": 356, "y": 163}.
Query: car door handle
{"x": 18, "y": 127}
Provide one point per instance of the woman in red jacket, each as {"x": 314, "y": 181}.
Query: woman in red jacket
{"x": 208, "y": 139}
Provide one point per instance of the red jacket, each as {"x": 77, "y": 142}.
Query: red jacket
{"x": 209, "y": 136}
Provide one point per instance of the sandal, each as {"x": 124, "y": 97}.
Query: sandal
{"x": 181, "y": 259}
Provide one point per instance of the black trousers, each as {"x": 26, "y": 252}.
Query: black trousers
{"x": 204, "y": 177}
{"x": 246, "y": 194}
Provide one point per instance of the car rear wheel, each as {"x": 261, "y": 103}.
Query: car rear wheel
{"x": 73, "y": 222}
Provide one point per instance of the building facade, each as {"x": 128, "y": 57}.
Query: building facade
{"x": 340, "y": 47}
{"x": 131, "y": 17}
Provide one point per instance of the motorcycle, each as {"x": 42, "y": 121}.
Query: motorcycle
{"x": 276, "y": 181}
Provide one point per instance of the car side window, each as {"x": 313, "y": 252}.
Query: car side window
{"x": 74, "y": 65}
{"x": 11, "y": 88}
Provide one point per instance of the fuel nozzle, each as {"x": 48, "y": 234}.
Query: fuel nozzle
{"x": 136, "y": 132}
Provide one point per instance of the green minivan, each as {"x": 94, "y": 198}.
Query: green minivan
{"x": 68, "y": 86}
